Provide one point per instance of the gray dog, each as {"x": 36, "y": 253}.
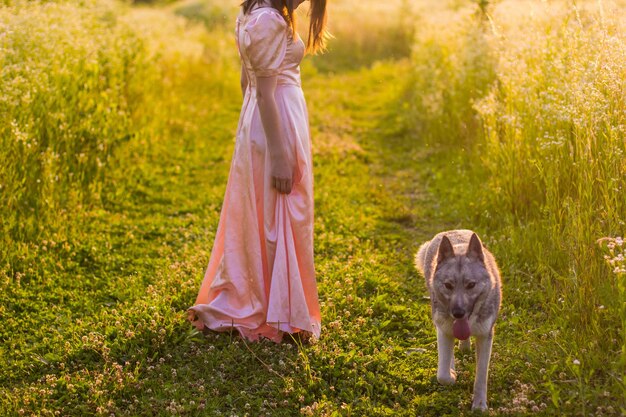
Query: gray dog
{"x": 465, "y": 291}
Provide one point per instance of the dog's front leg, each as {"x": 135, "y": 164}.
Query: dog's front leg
{"x": 446, "y": 375}
{"x": 483, "y": 354}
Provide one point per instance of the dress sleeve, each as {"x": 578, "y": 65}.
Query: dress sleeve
{"x": 265, "y": 42}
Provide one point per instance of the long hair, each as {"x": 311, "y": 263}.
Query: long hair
{"x": 316, "y": 41}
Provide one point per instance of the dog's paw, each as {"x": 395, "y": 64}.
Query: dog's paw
{"x": 479, "y": 404}
{"x": 446, "y": 378}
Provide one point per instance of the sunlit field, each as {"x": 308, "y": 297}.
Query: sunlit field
{"x": 529, "y": 104}
{"x": 117, "y": 123}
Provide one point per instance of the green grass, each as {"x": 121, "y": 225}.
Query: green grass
{"x": 529, "y": 105}
{"x": 92, "y": 307}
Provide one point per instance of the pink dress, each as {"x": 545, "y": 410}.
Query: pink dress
{"x": 260, "y": 279}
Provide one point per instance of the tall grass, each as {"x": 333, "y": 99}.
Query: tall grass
{"x": 557, "y": 120}
{"x": 89, "y": 90}
{"x": 210, "y": 13}
{"x": 384, "y": 32}
{"x": 71, "y": 81}
{"x": 453, "y": 67}
{"x": 532, "y": 95}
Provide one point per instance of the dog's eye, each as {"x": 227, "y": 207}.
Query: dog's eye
{"x": 449, "y": 286}
{"x": 470, "y": 285}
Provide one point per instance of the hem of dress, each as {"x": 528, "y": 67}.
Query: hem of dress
{"x": 273, "y": 331}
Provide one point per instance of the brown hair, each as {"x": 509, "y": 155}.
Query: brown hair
{"x": 316, "y": 41}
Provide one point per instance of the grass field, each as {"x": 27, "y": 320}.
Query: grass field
{"x": 117, "y": 126}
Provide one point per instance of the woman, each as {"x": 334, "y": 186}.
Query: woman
{"x": 260, "y": 279}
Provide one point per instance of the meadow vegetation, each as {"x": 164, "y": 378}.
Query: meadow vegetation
{"x": 528, "y": 99}
{"x": 117, "y": 126}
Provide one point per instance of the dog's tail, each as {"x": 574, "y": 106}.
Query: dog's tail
{"x": 420, "y": 257}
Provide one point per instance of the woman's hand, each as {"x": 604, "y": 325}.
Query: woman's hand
{"x": 281, "y": 171}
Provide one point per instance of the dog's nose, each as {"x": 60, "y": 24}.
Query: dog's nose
{"x": 458, "y": 313}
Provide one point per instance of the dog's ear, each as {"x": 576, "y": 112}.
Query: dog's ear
{"x": 475, "y": 249}
{"x": 446, "y": 251}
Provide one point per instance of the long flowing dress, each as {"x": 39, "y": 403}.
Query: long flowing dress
{"x": 260, "y": 279}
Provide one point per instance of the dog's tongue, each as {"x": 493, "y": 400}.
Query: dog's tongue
{"x": 461, "y": 329}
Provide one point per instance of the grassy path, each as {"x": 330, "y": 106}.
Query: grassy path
{"x": 120, "y": 121}
{"x": 103, "y": 331}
